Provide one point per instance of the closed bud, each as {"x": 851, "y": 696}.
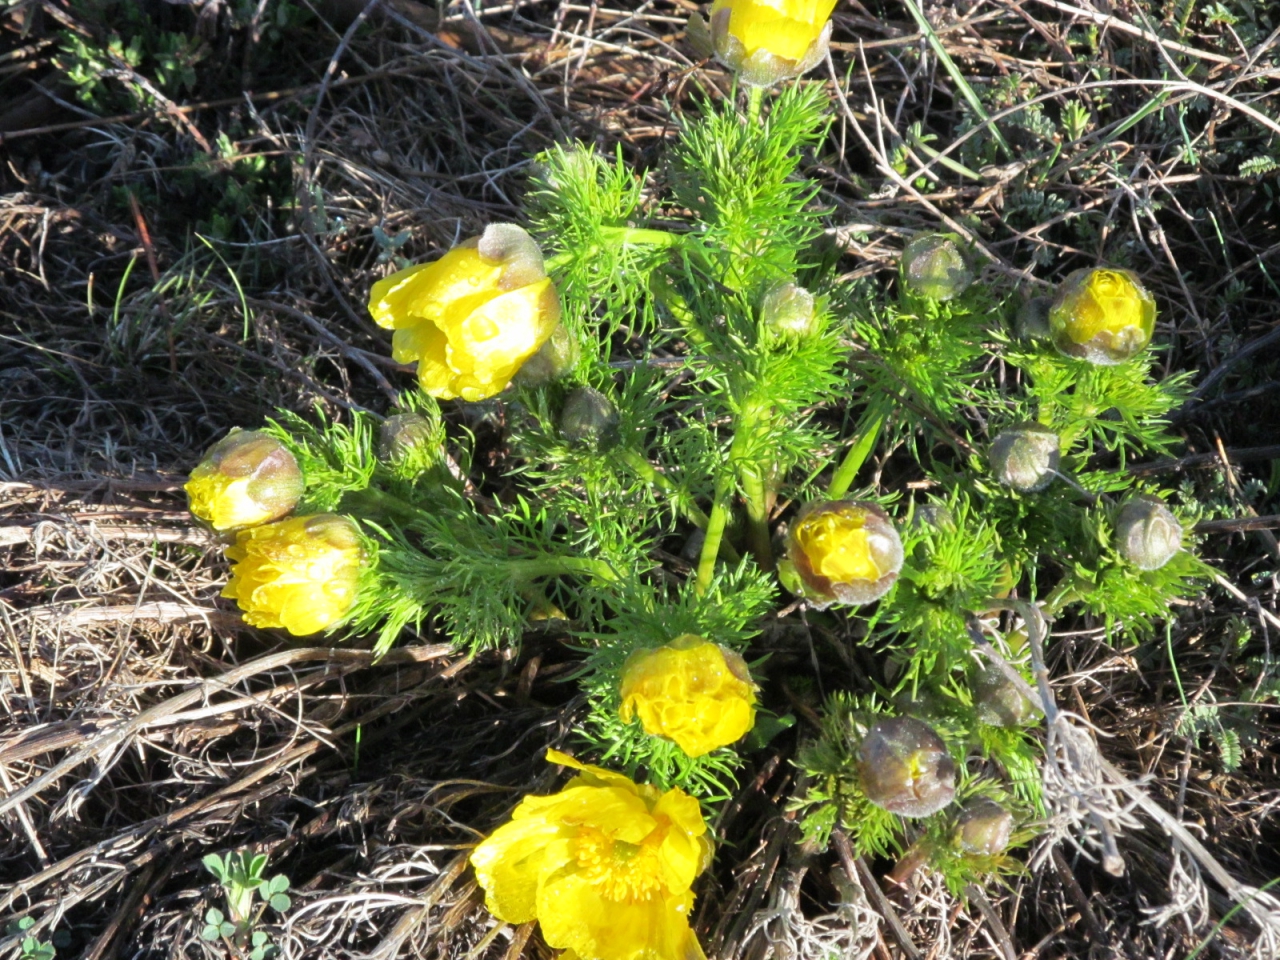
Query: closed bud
{"x": 472, "y": 318}
{"x": 1033, "y": 318}
{"x": 554, "y": 359}
{"x": 931, "y": 515}
{"x": 246, "y": 478}
{"x": 409, "y": 442}
{"x": 1102, "y": 315}
{"x": 842, "y": 551}
{"x": 589, "y": 419}
{"x": 1147, "y": 533}
{"x": 765, "y": 41}
{"x": 300, "y": 574}
{"x": 788, "y": 312}
{"x": 691, "y": 691}
{"x": 936, "y": 266}
{"x": 998, "y": 701}
{"x": 1025, "y": 457}
{"x": 983, "y": 828}
{"x": 904, "y": 767}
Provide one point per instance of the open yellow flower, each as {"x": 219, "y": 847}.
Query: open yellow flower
{"x": 605, "y": 866}
{"x": 300, "y": 574}
{"x": 842, "y": 551}
{"x": 765, "y": 41}
{"x": 246, "y": 478}
{"x": 691, "y": 691}
{"x": 1102, "y": 315}
{"x": 473, "y": 317}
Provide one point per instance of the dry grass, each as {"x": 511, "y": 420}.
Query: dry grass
{"x": 141, "y": 727}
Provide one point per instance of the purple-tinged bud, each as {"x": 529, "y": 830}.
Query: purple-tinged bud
{"x": 904, "y": 767}
{"x": 998, "y": 701}
{"x": 983, "y": 828}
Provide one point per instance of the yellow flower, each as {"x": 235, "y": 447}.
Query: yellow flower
{"x": 691, "y": 691}
{"x": 605, "y": 866}
{"x": 842, "y": 551}
{"x": 1103, "y": 316}
{"x": 765, "y": 41}
{"x": 472, "y": 317}
{"x": 245, "y": 479}
{"x": 300, "y": 574}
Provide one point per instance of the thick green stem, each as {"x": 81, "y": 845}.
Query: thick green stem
{"x": 755, "y": 100}
{"x": 755, "y": 492}
{"x": 562, "y": 566}
{"x": 373, "y": 503}
{"x": 745, "y": 431}
{"x": 640, "y": 236}
{"x": 619, "y": 236}
{"x": 651, "y": 476}
{"x": 715, "y": 531}
{"x": 868, "y": 433}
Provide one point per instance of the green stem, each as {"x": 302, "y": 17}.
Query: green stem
{"x": 744, "y": 432}
{"x": 640, "y": 236}
{"x": 869, "y": 427}
{"x": 715, "y": 532}
{"x": 372, "y": 503}
{"x": 650, "y": 475}
{"x": 755, "y": 100}
{"x": 755, "y": 492}
{"x": 621, "y": 236}
{"x": 562, "y": 566}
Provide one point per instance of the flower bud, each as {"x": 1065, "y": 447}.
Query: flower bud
{"x": 409, "y": 442}
{"x": 936, "y": 266}
{"x": 998, "y": 701}
{"x": 1032, "y": 322}
{"x": 691, "y": 691}
{"x": 765, "y": 41}
{"x": 983, "y": 828}
{"x": 844, "y": 551}
{"x": 589, "y": 419}
{"x": 300, "y": 574}
{"x": 472, "y": 318}
{"x": 246, "y": 478}
{"x": 1147, "y": 533}
{"x": 555, "y": 358}
{"x": 1025, "y": 456}
{"x": 931, "y": 515}
{"x": 788, "y": 312}
{"x": 904, "y": 767}
{"x": 1102, "y": 315}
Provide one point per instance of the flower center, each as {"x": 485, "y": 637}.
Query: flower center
{"x": 622, "y": 871}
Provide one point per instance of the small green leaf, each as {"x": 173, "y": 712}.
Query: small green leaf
{"x": 213, "y": 863}
{"x": 280, "y": 903}
{"x": 259, "y": 938}
{"x": 210, "y": 932}
{"x": 256, "y": 865}
{"x": 214, "y": 916}
{"x": 279, "y": 884}
{"x": 227, "y": 929}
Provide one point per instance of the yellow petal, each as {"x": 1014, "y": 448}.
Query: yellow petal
{"x": 575, "y": 916}
{"x": 509, "y": 865}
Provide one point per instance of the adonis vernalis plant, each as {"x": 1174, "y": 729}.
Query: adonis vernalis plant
{"x": 690, "y": 394}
